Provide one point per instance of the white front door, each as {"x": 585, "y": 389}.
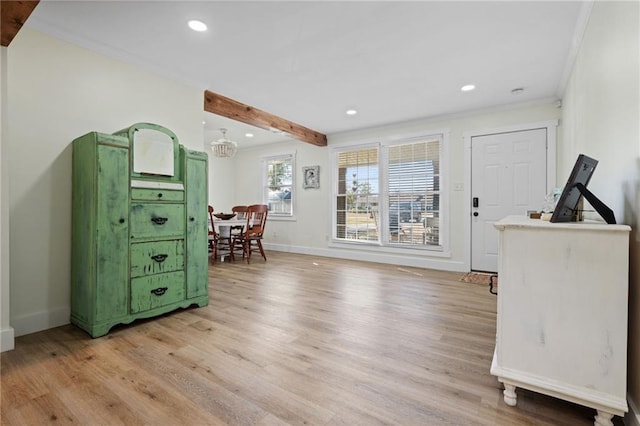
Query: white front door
{"x": 508, "y": 177}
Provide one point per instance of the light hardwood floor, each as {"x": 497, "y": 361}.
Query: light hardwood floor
{"x": 299, "y": 340}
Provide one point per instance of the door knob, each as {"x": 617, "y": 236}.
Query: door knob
{"x": 475, "y": 214}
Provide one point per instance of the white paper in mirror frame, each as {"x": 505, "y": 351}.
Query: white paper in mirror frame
{"x": 152, "y": 152}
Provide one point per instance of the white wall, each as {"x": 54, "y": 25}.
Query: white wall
{"x": 6, "y": 331}
{"x": 57, "y": 92}
{"x": 311, "y": 231}
{"x": 601, "y": 118}
{"x": 222, "y": 182}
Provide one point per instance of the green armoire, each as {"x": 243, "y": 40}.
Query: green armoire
{"x": 139, "y": 233}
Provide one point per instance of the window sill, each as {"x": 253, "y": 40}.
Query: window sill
{"x": 432, "y": 251}
{"x": 282, "y": 218}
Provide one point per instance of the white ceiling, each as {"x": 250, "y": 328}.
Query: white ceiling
{"x": 309, "y": 61}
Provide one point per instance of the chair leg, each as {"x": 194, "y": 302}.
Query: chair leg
{"x": 233, "y": 258}
{"x": 261, "y": 250}
{"x": 231, "y": 249}
{"x": 247, "y": 251}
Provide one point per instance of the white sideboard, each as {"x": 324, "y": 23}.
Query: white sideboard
{"x": 562, "y": 312}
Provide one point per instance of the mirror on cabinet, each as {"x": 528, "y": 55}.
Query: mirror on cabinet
{"x": 153, "y": 153}
{"x": 154, "y": 150}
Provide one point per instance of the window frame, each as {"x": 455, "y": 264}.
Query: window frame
{"x": 334, "y": 190}
{"x": 264, "y": 162}
{"x": 382, "y": 145}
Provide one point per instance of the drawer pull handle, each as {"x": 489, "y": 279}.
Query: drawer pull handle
{"x": 160, "y": 257}
{"x": 159, "y": 194}
{"x": 159, "y": 220}
{"x": 159, "y": 291}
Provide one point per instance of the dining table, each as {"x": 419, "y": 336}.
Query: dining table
{"x": 223, "y": 227}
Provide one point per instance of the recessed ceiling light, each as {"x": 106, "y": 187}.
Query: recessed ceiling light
{"x": 197, "y": 25}
{"x": 351, "y": 111}
{"x": 248, "y": 135}
{"x": 467, "y": 87}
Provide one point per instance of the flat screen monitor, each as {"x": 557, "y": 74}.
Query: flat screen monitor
{"x": 570, "y": 197}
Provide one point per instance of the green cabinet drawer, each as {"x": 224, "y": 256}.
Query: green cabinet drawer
{"x": 156, "y": 257}
{"x": 147, "y": 194}
{"x": 156, "y": 290}
{"x": 151, "y": 220}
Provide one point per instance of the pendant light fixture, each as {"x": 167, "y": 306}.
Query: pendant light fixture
{"x": 224, "y": 147}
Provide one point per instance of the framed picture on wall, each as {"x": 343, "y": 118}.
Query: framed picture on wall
{"x": 311, "y": 177}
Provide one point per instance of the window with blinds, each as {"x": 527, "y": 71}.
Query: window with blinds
{"x": 278, "y": 188}
{"x": 413, "y": 190}
{"x": 390, "y": 194}
{"x": 357, "y": 195}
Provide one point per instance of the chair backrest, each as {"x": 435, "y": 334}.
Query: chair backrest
{"x": 240, "y": 211}
{"x": 212, "y": 228}
{"x": 256, "y": 217}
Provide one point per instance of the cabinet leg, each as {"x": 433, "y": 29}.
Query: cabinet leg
{"x": 510, "y": 397}
{"x": 603, "y": 419}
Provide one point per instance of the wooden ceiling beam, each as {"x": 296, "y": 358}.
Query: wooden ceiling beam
{"x": 221, "y": 105}
{"x": 13, "y": 15}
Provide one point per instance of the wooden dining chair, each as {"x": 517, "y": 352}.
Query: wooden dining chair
{"x": 253, "y": 232}
{"x": 218, "y": 245}
{"x": 241, "y": 214}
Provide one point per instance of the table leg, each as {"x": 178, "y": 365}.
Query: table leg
{"x": 510, "y": 397}
{"x": 603, "y": 419}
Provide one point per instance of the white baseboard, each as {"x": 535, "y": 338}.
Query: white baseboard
{"x": 443, "y": 264}
{"x": 7, "y": 339}
{"x": 632, "y": 418}
{"x": 32, "y": 323}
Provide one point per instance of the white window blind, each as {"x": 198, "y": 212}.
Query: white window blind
{"x": 357, "y": 194}
{"x": 390, "y": 195}
{"x": 413, "y": 189}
